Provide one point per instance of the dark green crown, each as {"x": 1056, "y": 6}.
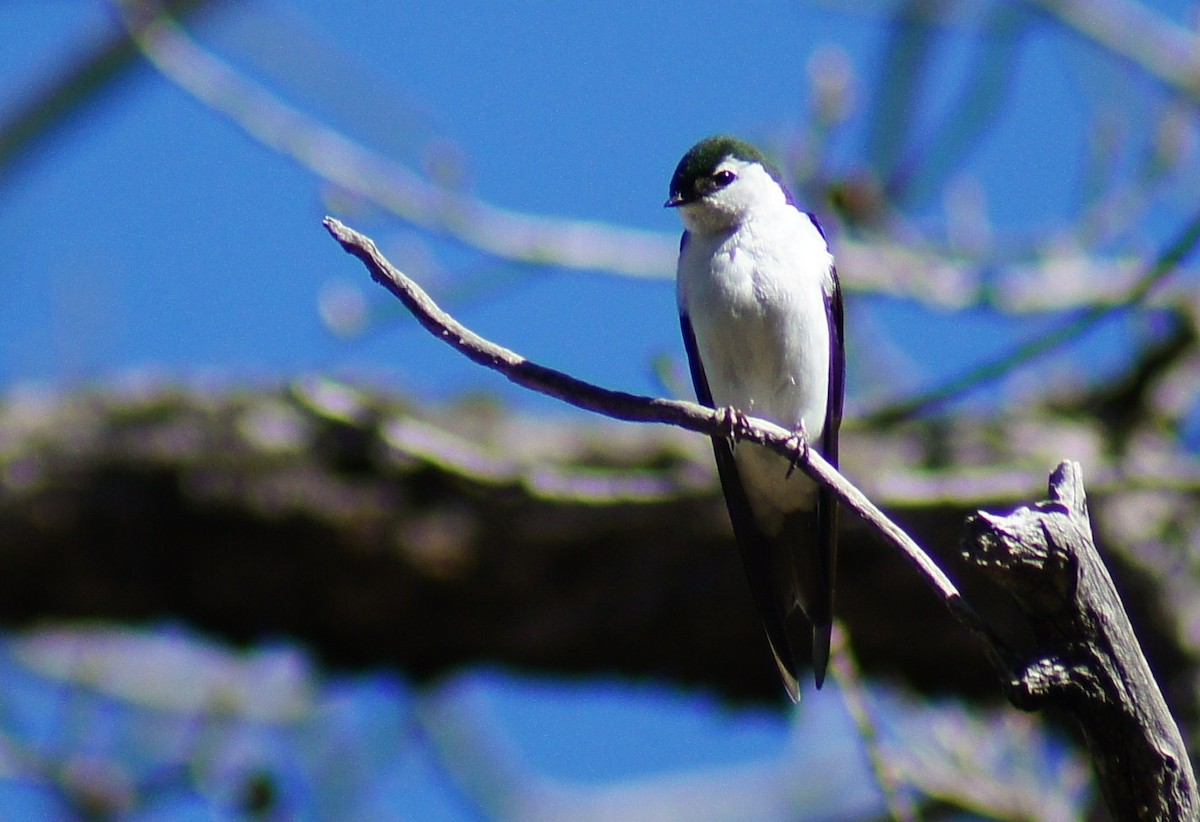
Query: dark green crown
{"x": 704, "y": 157}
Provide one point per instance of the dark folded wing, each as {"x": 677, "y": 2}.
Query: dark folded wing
{"x": 837, "y": 370}
{"x": 756, "y": 549}
{"x": 827, "y": 504}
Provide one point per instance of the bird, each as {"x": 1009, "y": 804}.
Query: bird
{"x": 760, "y": 308}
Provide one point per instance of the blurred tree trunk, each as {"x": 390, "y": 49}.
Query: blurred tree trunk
{"x": 348, "y": 521}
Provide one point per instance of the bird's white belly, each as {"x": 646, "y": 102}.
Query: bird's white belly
{"x": 764, "y": 341}
{"x": 763, "y": 381}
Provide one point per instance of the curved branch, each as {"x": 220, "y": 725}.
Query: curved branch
{"x": 336, "y": 158}
{"x": 1114, "y": 675}
{"x": 879, "y": 266}
{"x": 634, "y": 408}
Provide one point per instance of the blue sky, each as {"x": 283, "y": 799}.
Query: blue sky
{"x": 153, "y": 234}
{"x": 149, "y": 235}
{"x": 179, "y": 241}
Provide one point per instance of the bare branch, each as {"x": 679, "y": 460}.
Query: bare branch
{"x": 1049, "y": 283}
{"x": 1034, "y": 556}
{"x": 335, "y": 157}
{"x": 634, "y": 408}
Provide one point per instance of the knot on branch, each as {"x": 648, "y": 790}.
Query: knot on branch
{"x": 1052, "y": 679}
{"x": 1028, "y": 553}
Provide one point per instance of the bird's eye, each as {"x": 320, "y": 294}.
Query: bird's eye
{"x": 724, "y": 177}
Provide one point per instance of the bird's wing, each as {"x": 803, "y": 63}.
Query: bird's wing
{"x": 760, "y": 554}
{"x": 820, "y": 612}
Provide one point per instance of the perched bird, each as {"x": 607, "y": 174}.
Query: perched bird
{"x": 761, "y": 313}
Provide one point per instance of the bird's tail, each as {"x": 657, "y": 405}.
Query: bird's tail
{"x": 808, "y": 552}
{"x": 820, "y": 651}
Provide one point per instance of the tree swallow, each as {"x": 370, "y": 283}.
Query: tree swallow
{"x": 761, "y": 312}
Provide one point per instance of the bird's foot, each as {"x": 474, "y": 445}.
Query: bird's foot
{"x": 798, "y": 442}
{"x": 732, "y": 420}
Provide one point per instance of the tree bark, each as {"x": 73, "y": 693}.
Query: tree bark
{"x": 1085, "y": 657}
{"x": 347, "y": 520}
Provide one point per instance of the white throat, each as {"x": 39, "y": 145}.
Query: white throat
{"x": 754, "y": 191}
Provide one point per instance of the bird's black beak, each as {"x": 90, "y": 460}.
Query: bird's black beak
{"x": 675, "y": 200}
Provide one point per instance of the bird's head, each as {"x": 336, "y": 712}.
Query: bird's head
{"x": 722, "y": 181}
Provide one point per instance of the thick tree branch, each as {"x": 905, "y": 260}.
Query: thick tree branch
{"x": 1086, "y": 657}
{"x": 354, "y": 523}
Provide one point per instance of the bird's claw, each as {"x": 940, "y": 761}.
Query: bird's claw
{"x": 798, "y": 443}
{"x": 732, "y": 420}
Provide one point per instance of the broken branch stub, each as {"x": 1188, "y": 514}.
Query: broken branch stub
{"x": 1087, "y": 659}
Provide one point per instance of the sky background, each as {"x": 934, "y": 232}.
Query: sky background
{"x": 151, "y": 237}
{"x": 152, "y": 234}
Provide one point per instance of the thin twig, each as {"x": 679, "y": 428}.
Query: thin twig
{"x": 636, "y": 408}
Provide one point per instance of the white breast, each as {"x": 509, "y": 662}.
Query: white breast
{"x": 756, "y": 299}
